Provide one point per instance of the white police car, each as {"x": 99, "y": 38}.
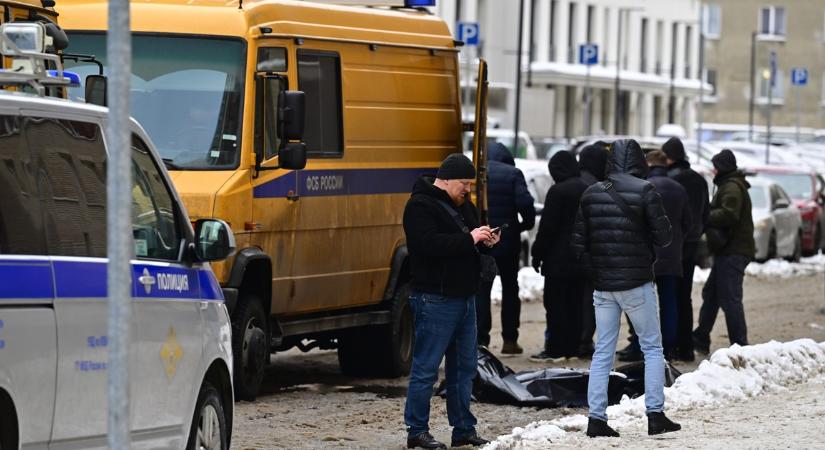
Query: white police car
{"x": 53, "y": 304}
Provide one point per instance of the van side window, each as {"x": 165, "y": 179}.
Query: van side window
{"x": 69, "y": 166}
{"x": 154, "y": 225}
{"x": 319, "y": 76}
{"x": 21, "y": 218}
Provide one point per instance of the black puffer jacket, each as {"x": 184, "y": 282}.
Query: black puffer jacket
{"x": 697, "y": 191}
{"x": 621, "y": 254}
{"x": 443, "y": 258}
{"x": 507, "y": 198}
{"x": 675, "y": 200}
{"x": 553, "y": 242}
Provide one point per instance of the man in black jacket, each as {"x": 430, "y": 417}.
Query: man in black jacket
{"x": 553, "y": 257}
{"x": 619, "y": 222}
{"x": 444, "y": 239}
{"x": 698, "y": 201}
{"x": 507, "y": 199}
{"x": 592, "y": 165}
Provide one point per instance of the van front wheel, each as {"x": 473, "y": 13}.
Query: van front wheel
{"x": 250, "y": 347}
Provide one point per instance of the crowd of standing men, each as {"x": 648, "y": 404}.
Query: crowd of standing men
{"x": 618, "y": 234}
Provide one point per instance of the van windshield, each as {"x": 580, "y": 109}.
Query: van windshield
{"x": 186, "y": 92}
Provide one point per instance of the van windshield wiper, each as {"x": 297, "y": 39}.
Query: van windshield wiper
{"x": 171, "y": 165}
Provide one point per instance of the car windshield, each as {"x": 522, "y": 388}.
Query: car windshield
{"x": 186, "y": 92}
{"x": 758, "y": 198}
{"x": 798, "y": 186}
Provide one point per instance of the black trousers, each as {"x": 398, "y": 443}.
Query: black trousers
{"x": 563, "y": 308}
{"x": 724, "y": 290}
{"x": 510, "y": 302}
{"x": 684, "y": 305}
{"x": 588, "y": 316}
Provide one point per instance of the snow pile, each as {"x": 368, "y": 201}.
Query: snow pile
{"x": 530, "y": 283}
{"x": 731, "y": 374}
{"x": 775, "y": 268}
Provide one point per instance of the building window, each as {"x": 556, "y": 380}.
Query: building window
{"x": 710, "y": 78}
{"x": 591, "y": 14}
{"x": 571, "y": 33}
{"x": 764, "y": 82}
{"x": 712, "y": 21}
{"x": 772, "y": 21}
{"x": 688, "y": 43}
{"x": 553, "y": 28}
{"x": 605, "y": 37}
{"x": 643, "y": 47}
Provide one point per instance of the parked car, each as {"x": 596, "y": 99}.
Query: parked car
{"x": 547, "y": 147}
{"x": 53, "y": 285}
{"x": 777, "y": 225}
{"x": 538, "y": 178}
{"x": 805, "y": 188}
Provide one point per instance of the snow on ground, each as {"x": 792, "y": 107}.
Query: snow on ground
{"x": 730, "y": 375}
{"x": 775, "y": 268}
{"x": 531, "y": 283}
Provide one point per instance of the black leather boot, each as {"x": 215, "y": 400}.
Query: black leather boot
{"x": 600, "y": 428}
{"x": 658, "y": 423}
{"x": 424, "y": 440}
{"x": 472, "y": 440}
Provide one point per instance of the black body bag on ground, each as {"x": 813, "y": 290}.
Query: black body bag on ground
{"x": 552, "y": 387}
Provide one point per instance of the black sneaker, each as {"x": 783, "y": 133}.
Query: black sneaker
{"x": 658, "y": 423}
{"x": 424, "y": 440}
{"x": 631, "y": 356}
{"x": 630, "y": 348}
{"x": 599, "y": 428}
{"x": 471, "y": 440}
{"x": 700, "y": 346}
{"x": 545, "y": 356}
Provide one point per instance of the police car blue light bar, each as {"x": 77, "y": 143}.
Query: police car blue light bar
{"x": 74, "y": 79}
{"x": 414, "y": 3}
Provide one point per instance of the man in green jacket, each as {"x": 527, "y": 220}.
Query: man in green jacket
{"x": 730, "y": 236}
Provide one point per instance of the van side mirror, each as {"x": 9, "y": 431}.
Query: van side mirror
{"x": 781, "y": 203}
{"x": 96, "y": 90}
{"x": 293, "y": 156}
{"x": 291, "y": 118}
{"x": 214, "y": 240}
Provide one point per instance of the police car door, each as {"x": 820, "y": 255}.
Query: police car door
{"x": 168, "y": 310}
{"x": 28, "y": 341}
{"x": 70, "y": 158}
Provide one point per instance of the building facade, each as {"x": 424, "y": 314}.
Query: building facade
{"x": 736, "y": 29}
{"x": 656, "y": 41}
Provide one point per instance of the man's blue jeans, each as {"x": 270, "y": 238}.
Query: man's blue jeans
{"x": 443, "y": 326}
{"x": 642, "y": 308}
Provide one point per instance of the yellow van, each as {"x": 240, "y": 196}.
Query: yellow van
{"x": 220, "y": 87}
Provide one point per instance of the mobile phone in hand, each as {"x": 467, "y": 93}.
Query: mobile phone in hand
{"x": 500, "y": 229}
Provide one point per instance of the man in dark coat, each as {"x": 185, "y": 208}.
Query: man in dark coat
{"x": 697, "y": 191}
{"x": 668, "y": 267}
{"x": 553, "y": 257}
{"x": 444, "y": 240}
{"x": 619, "y": 222}
{"x": 592, "y": 165}
{"x": 507, "y": 199}
{"x": 730, "y": 238}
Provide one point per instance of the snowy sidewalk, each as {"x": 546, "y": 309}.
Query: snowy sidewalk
{"x": 772, "y": 393}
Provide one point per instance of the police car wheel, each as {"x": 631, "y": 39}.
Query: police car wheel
{"x": 208, "y": 430}
{"x": 250, "y": 347}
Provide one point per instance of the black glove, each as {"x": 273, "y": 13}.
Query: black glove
{"x": 537, "y": 264}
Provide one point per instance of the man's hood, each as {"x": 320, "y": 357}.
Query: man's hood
{"x": 736, "y": 176}
{"x": 657, "y": 171}
{"x": 498, "y": 152}
{"x": 626, "y": 156}
{"x": 593, "y": 159}
{"x": 425, "y": 186}
{"x": 563, "y": 166}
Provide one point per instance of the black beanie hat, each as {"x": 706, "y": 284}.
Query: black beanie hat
{"x": 674, "y": 149}
{"x": 456, "y": 167}
{"x": 724, "y": 162}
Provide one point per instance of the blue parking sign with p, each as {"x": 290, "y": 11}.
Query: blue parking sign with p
{"x": 588, "y": 54}
{"x": 799, "y": 76}
{"x": 468, "y": 32}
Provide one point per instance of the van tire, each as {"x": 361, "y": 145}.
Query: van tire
{"x": 381, "y": 351}
{"x": 250, "y": 346}
{"x": 209, "y": 415}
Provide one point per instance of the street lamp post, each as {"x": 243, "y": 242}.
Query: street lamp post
{"x": 518, "y": 77}
{"x": 753, "y": 88}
